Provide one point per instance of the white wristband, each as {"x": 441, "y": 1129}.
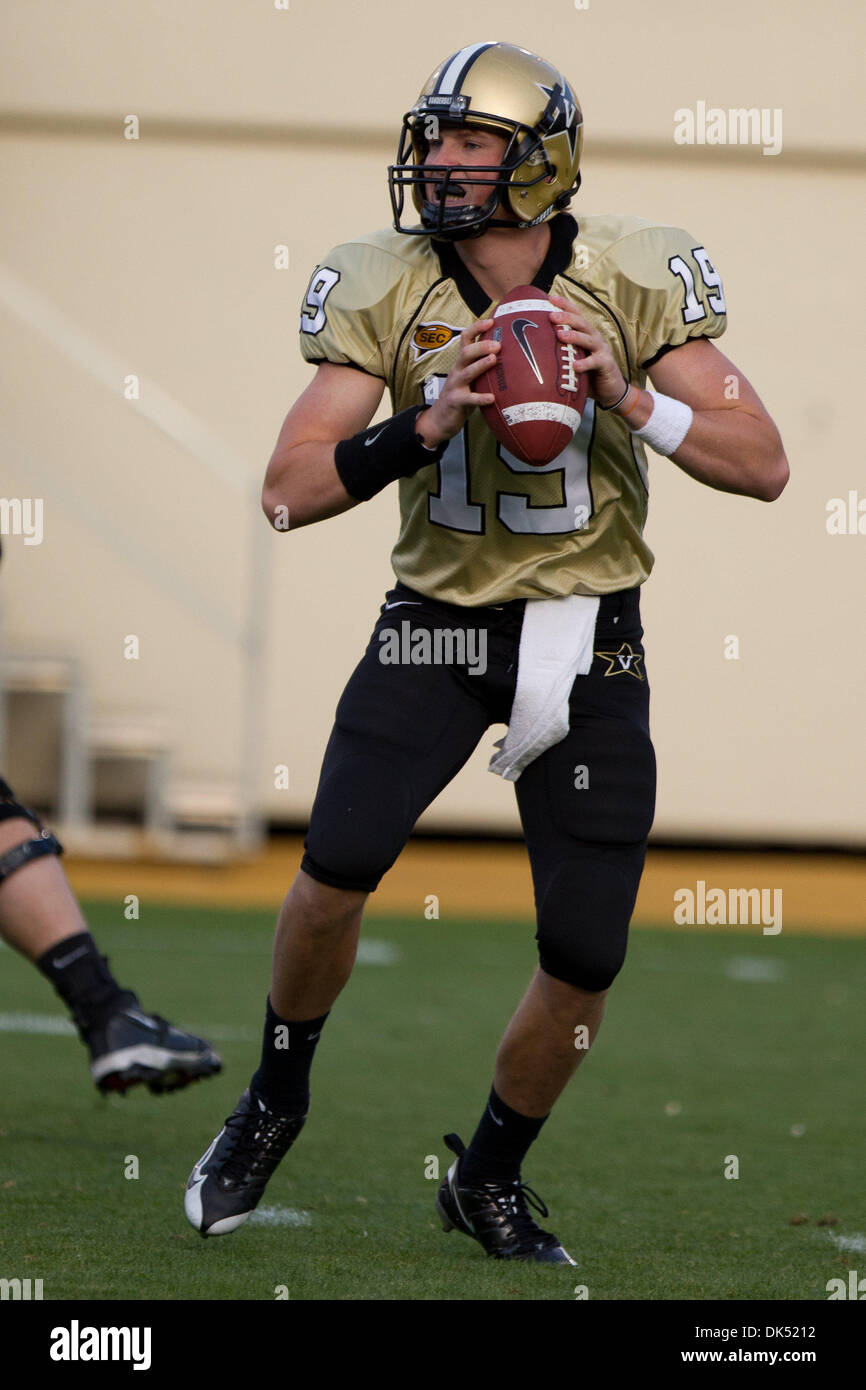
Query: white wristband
{"x": 668, "y": 425}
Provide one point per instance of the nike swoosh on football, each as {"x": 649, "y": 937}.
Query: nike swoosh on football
{"x": 519, "y": 328}
{"x": 368, "y": 442}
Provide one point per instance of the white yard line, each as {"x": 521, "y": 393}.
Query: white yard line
{"x": 52, "y": 1025}
{"x": 281, "y": 1216}
{"x": 856, "y": 1243}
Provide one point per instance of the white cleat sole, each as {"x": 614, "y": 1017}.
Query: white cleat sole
{"x": 143, "y": 1055}
{"x": 194, "y": 1214}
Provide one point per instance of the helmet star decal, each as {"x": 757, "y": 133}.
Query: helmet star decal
{"x": 568, "y": 117}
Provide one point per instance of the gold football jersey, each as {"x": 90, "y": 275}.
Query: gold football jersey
{"x": 480, "y": 526}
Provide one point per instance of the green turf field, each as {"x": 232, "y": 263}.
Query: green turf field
{"x": 694, "y": 1063}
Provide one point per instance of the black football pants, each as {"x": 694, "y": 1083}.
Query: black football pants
{"x": 403, "y": 730}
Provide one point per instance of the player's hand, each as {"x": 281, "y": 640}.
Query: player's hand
{"x": 447, "y": 415}
{"x": 606, "y": 381}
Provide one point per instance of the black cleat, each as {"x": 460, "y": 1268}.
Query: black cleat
{"x": 131, "y": 1047}
{"x": 228, "y": 1182}
{"x": 496, "y": 1215}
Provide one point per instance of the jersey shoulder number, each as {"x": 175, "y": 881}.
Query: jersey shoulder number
{"x": 660, "y": 279}
{"x": 353, "y": 301}
{"x": 694, "y": 309}
{"x": 313, "y": 317}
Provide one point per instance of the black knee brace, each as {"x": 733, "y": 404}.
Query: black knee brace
{"x": 41, "y": 844}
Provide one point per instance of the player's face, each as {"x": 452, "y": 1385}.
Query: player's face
{"x": 463, "y": 149}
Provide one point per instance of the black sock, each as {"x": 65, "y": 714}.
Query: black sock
{"x": 499, "y": 1144}
{"x": 283, "y": 1077}
{"x": 83, "y": 980}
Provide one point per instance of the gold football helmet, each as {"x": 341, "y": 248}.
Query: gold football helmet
{"x": 513, "y": 93}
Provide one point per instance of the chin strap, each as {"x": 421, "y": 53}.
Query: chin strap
{"x": 476, "y": 229}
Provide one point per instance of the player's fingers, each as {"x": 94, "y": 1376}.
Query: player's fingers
{"x": 569, "y": 312}
{"x": 592, "y": 362}
{"x": 578, "y": 333}
{"x": 472, "y": 351}
{"x": 475, "y": 330}
{"x": 568, "y": 315}
{"x": 475, "y": 369}
{"x": 591, "y": 344}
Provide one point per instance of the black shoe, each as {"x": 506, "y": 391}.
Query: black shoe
{"x": 228, "y": 1182}
{"x": 496, "y": 1215}
{"x": 130, "y": 1047}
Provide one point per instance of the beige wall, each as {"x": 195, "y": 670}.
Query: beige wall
{"x": 160, "y": 253}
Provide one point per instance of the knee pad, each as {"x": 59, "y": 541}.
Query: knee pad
{"x": 584, "y": 914}
{"x": 42, "y": 844}
{"x": 361, "y": 819}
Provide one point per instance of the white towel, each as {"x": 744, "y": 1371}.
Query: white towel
{"x": 556, "y": 642}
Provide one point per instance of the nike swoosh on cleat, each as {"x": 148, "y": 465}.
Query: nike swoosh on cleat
{"x": 452, "y": 1187}
{"x": 141, "y": 1018}
{"x": 197, "y": 1177}
{"x": 192, "y": 1203}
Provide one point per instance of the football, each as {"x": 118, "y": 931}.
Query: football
{"x": 539, "y": 396}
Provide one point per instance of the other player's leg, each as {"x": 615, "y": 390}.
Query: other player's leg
{"x": 40, "y": 917}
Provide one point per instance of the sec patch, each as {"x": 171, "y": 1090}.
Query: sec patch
{"x": 432, "y": 337}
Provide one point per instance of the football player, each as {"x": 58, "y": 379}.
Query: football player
{"x": 40, "y": 917}
{"x": 490, "y": 156}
